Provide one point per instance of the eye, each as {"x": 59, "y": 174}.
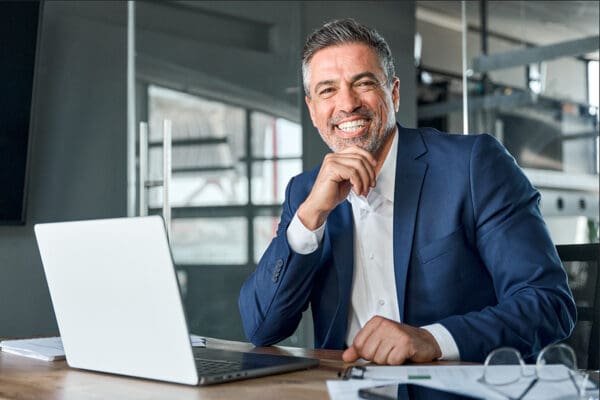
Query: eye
{"x": 327, "y": 91}
{"x": 366, "y": 84}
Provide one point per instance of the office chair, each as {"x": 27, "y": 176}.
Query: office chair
{"x": 582, "y": 263}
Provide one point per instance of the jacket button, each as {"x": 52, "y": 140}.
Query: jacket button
{"x": 279, "y": 263}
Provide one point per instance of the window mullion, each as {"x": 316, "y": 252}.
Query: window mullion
{"x": 250, "y": 206}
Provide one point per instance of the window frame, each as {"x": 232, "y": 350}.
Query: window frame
{"x": 250, "y": 210}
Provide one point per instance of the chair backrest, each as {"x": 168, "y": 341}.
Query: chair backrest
{"x": 582, "y": 263}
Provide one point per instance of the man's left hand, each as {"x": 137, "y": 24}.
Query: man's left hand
{"x": 384, "y": 341}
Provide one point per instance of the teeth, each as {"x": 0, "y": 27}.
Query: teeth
{"x": 352, "y": 126}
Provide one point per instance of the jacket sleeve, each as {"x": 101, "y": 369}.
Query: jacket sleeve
{"x": 274, "y": 296}
{"x": 535, "y": 306}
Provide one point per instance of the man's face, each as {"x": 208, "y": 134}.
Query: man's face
{"x": 351, "y": 103}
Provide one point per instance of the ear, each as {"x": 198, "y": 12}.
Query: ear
{"x": 311, "y": 109}
{"x": 396, "y": 94}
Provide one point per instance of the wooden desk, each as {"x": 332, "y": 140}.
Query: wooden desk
{"x": 26, "y": 378}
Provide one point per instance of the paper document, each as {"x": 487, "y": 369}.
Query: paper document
{"x": 198, "y": 341}
{"x": 460, "y": 379}
{"x": 47, "y": 349}
{"x": 348, "y": 390}
{"x": 51, "y": 348}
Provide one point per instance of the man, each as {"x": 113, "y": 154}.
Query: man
{"x": 408, "y": 244}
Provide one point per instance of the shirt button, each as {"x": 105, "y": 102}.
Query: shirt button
{"x": 371, "y": 256}
{"x": 381, "y": 302}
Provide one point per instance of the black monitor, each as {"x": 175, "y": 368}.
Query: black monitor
{"x": 19, "y": 23}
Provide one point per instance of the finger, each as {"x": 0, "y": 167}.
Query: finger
{"x": 368, "y": 161}
{"x": 383, "y": 350}
{"x": 354, "y": 171}
{"x": 350, "y": 355}
{"x": 364, "y": 153}
{"x": 368, "y": 174}
{"x": 397, "y": 356}
{"x": 360, "y": 186}
{"x": 362, "y": 175}
{"x": 370, "y": 347}
{"x": 355, "y": 161}
{"x": 366, "y": 331}
{"x": 365, "y": 163}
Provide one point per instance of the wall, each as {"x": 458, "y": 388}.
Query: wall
{"x": 238, "y": 51}
{"x": 77, "y": 160}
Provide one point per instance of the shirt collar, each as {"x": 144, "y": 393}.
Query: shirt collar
{"x": 387, "y": 176}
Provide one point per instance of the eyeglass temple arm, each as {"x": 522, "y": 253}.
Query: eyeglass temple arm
{"x": 528, "y": 388}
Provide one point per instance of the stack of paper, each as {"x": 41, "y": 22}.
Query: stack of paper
{"x": 47, "y": 349}
{"x": 198, "y": 341}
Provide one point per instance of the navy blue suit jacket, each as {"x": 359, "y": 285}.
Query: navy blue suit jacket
{"x": 471, "y": 252}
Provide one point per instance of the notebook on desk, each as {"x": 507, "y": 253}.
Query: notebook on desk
{"x": 118, "y": 306}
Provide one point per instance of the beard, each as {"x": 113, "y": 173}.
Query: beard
{"x": 371, "y": 141}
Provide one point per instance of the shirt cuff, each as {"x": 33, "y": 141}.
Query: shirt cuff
{"x": 301, "y": 239}
{"x": 445, "y": 340}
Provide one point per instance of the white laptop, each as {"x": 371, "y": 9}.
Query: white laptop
{"x": 118, "y": 306}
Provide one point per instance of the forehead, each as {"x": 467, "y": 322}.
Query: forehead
{"x": 343, "y": 61}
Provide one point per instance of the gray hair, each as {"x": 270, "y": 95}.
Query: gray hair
{"x": 343, "y": 31}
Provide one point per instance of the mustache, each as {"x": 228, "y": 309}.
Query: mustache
{"x": 362, "y": 112}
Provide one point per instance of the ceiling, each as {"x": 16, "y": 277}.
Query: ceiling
{"x": 536, "y": 22}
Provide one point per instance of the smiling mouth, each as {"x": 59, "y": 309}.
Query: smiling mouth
{"x": 353, "y": 127}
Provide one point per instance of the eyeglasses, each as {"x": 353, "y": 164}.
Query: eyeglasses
{"x": 505, "y": 371}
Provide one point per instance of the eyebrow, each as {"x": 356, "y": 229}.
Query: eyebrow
{"x": 355, "y": 78}
{"x": 365, "y": 75}
{"x": 324, "y": 83}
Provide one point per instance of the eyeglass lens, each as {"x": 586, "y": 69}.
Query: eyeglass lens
{"x": 503, "y": 366}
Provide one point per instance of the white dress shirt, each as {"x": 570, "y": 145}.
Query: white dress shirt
{"x": 374, "y": 283}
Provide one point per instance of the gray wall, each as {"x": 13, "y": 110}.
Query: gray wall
{"x": 77, "y": 160}
{"x": 238, "y": 51}
{"x": 244, "y": 52}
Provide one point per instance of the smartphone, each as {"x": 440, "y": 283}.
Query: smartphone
{"x": 409, "y": 391}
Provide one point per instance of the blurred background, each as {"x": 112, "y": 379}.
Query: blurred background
{"x": 227, "y": 76}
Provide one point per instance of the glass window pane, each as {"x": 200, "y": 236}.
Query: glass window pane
{"x": 275, "y": 137}
{"x": 270, "y": 178}
{"x": 210, "y": 240}
{"x": 206, "y": 134}
{"x": 195, "y": 118}
{"x": 208, "y": 142}
{"x": 264, "y": 230}
{"x": 205, "y": 189}
{"x": 540, "y": 111}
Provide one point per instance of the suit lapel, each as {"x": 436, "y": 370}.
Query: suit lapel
{"x": 410, "y": 173}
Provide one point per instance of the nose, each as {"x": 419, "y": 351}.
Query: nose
{"x": 348, "y": 100}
